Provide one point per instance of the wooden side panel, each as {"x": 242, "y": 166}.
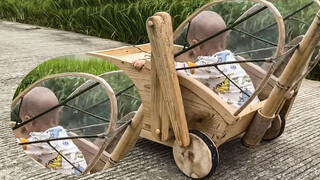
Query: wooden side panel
{"x": 89, "y": 150}
{"x": 205, "y": 94}
{"x": 201, "y": 116}
{"x": 257, "y": 74}
{"x": 241, "y": 124}
{"x": 200, "y": 103}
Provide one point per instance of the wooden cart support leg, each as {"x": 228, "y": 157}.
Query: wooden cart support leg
{"x": 253, "y": 138}
{"x": 128, "y": 140}
{"x": 160, "y": 33}
{"x": 261, "y": 122}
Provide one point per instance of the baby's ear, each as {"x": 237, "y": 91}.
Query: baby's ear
{"x": 27, "y": 117}
{"x": 194, "y": 41}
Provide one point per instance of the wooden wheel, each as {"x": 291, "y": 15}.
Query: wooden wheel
{"x": 199, "y": 159}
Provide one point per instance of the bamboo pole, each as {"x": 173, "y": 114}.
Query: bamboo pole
{"x": 291, "y": 73}
{"x": 294, "y": 68}
{"x": 128, "y": 139}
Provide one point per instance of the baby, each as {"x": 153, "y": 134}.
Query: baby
{"x": 46, "y": 127}
{"x": 202, "y": 26}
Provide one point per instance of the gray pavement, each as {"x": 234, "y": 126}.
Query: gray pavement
{"x": 295, "y": 155}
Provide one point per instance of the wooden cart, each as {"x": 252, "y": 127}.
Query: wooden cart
{"x": 181, "y": 112}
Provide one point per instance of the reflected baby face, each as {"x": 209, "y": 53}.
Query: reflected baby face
{"x": 37, "y": 101}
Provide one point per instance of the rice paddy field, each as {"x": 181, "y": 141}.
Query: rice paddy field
{"x": 61, "y": 65}
{"x": 124, "y": 20}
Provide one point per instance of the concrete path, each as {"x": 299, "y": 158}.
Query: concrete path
{"x": 295, "y": 155}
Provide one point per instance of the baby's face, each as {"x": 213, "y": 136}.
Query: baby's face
{"x": 37, "y": 101}
{"x": 42, "y": 123}
{"x": 195, "y": 51}
{"x": 34, "y": 125}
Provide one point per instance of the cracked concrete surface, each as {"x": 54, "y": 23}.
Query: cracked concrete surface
{"x": 295, "y": 155}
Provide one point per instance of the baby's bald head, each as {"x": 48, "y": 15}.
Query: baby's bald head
{"x": 204, "y": 25}
{"x": 36, "y": 101}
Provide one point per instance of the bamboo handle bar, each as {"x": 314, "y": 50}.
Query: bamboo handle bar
{"x": 294, "y": 68}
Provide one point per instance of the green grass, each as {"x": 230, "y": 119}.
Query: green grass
{"x": 65, "y": 64}
{"x": 124, "y": 20}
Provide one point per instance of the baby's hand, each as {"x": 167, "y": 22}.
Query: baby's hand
{"x": 138, "y": 64}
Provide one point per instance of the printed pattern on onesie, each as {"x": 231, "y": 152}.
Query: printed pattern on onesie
{"x": 47, "y": 156}
{"x": 216, "y": 81}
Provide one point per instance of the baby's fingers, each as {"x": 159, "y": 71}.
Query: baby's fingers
{"x": 137, "y": 65}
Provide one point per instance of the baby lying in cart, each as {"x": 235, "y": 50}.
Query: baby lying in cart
{"x": 46, "y": 127}
{"x": 214, "y": 51}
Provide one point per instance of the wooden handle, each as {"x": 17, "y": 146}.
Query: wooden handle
{"x": 159, "y": 29}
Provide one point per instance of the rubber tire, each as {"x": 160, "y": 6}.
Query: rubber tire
{"x": 282, "y": 127}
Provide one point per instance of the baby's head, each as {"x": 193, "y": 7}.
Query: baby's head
{"x": 204, "y": 25}
{"x": 36, "y": 101}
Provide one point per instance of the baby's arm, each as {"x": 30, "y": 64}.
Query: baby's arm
{"x": 138, "y": 64}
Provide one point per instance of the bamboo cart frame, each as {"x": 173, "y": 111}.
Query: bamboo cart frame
{"x": 181, "y": 112}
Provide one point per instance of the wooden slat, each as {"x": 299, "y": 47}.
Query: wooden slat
{"x": 157, "y": 103}
{"x": 165, "y": 123}
{"x": 160, "y": 35}
{"x": 257, "y": 75}
{"x": 203, "y": 92}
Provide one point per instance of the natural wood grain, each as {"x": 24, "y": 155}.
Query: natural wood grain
{"x": 195, "y": 160}
{"x": 157, "y": 103}
{"x": 160, "y": 35}
{"x": 203, "y": 92}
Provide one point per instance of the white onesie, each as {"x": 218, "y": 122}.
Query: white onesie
{"x": 47, "y": 156}
{"x": 217, "y": 82}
